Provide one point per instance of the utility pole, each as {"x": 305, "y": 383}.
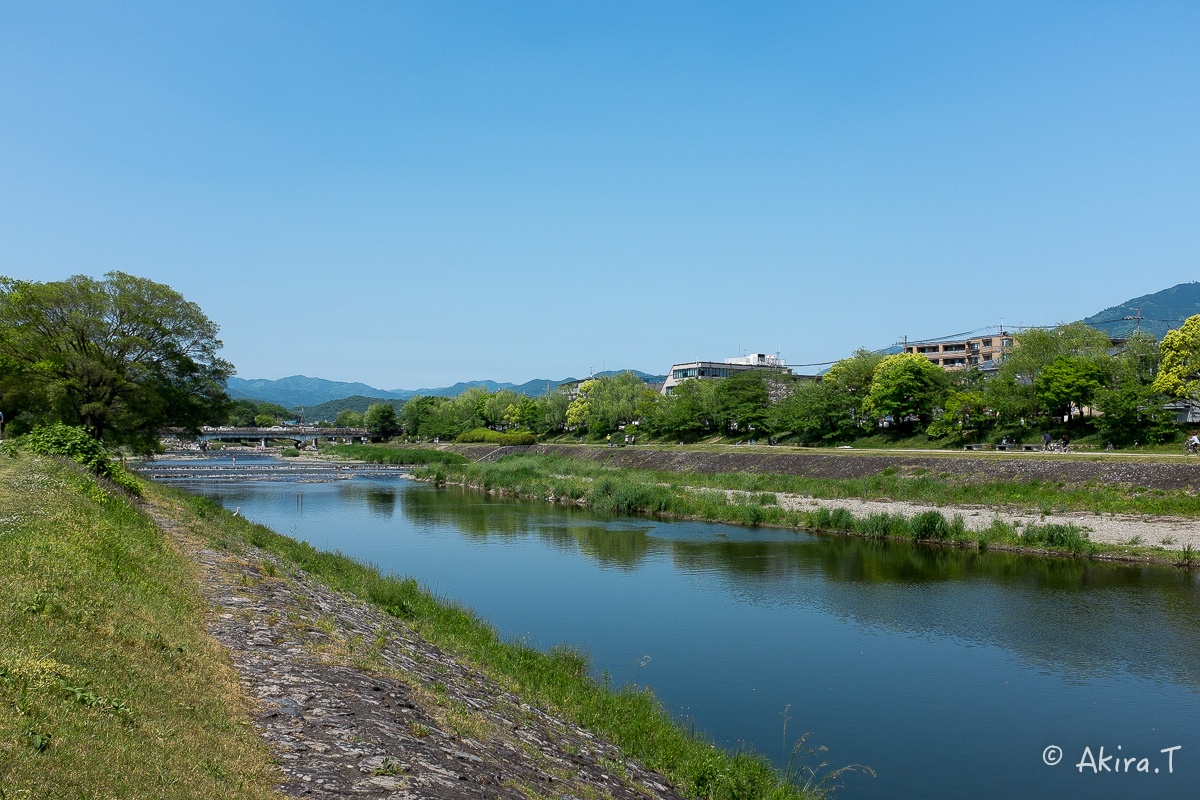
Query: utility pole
{"x": 1138, "y": 318}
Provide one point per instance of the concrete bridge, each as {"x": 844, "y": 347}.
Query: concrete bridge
{"x": 298, "y": 434}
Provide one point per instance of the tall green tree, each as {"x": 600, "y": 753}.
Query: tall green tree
{"x": 1133, "y": 412}
{"x": 961, "y": 413}
{"x": 524, "y": 413}
{"x": 381, "y": 420}
{"x": 814, "y": 411}
{"x": 744, "y": 399}
{"x": 692, "y": 409}
{"x": 493, "y": 408}
{"x": 1016, "y": 395}
{"x": 851, "y": 379}
{"x": 606, "y": 403}
{"x": 906, "y": 386}
{"x": 349, "y": 418}
{"x": 1069, "y": 382}
{"x": 418, "y": 412}
{"x": 552, "y": 410}
{"x": 123, "y": 357}
{"x": 1131, "y": 407}
{"x": 458, "y": 415}
{"x": 1037, "y": 348}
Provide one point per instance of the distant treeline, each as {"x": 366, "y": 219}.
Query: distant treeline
{"x": 1069, "y": 379}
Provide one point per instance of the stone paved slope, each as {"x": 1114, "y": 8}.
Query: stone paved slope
{"x": 356, "y": 704}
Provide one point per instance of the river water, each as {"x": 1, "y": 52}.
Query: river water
{"x": 950, "y": 673}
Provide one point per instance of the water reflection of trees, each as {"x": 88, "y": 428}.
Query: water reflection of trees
{"x": 380, "y": 501}
{"x": 1070, "y": 615}
{"x": 567, "y": 529}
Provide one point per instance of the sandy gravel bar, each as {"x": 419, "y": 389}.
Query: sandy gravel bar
{"x": 1172, "y": 533}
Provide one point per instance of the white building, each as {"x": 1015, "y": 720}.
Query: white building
{"x": 711, "y": 370}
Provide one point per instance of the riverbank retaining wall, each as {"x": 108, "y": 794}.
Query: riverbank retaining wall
{"x": 1069, "y": 471}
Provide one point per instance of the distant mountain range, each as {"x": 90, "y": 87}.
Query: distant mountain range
{"x": 1161, "y": 312}
{"x": 300, "y": 390}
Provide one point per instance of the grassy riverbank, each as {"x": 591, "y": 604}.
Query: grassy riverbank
{"x": 109, "y": 685}
{"x": 751, "y": 499}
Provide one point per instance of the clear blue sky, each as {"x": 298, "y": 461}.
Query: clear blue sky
{"x": 411, "y": 194}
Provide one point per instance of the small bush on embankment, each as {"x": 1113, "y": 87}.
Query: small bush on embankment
{"x": 386, "y": 454}
{"x": 76, "y": 444}
{"x": 109, "y": 684}
{"x": 631, "y": 717}
{"x": 496, "y": 437}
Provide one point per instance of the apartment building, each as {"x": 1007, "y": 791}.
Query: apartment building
{"x": 982, "y": 352}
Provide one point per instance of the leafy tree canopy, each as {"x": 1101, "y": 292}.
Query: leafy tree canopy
{"x": 349, "y": 419}
{"x": 605, "y": 403}
{"x": 744, "y": 397}
{"x": 1134, "y": 412}
{"x": 906, "y": 385}
{"x": 852, "y": 376}
{"x": 381, "y": 420}
{"x": 418, "y": 412}
{"x": 693, "y": 409}
{"x": 1037, "y": 348}
{"x": 1179, "y": 374}
{"x": 961, "y": 412}
{"x": 1069, "y": 380}
{"x": 124, "y": 357}
{"x": 814, "y": 411}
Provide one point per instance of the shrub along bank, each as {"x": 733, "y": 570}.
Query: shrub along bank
{"x": 496, "y": 437}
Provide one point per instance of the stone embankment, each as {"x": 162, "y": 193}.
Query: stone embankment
{"x": 354, "y": 703}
